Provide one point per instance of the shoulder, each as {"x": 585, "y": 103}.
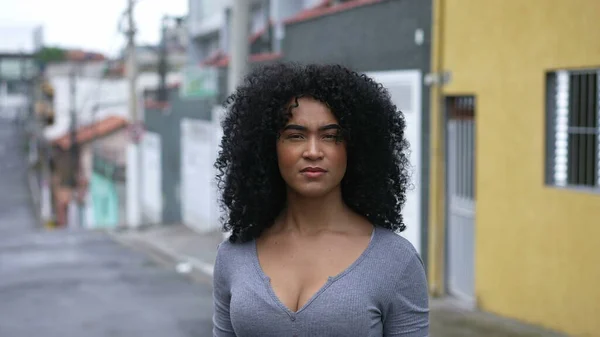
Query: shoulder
{"x": 394, "y": 248}
{"x": 231, "y": 255}
{"x": 232, "y": 252}
{"x": 394, "y": 240}
{"x": 394, "y": 257}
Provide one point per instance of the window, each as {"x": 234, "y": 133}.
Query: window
{"x": 208, "y": 46}
{"x": 573, "y": 129}
{"x": 14, "y": 68}
{"x": 306, "y": 4}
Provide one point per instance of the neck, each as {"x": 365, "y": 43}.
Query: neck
{"x": 309, "y": 215}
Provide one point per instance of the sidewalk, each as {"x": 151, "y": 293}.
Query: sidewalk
{"x": 194, "y": 254}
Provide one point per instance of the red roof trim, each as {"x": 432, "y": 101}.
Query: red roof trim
{"x": 223, "y": 61}
{"x": 262, "y": 57}
{"x": 212, "y": 58}
{"x": 90, "y": 132}
{"x": 156, "y": 105}
{"x": 326, "y": 9}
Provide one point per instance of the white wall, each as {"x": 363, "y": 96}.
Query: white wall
{"x": 151, "y": 171}
{"x": 404, "y": 87}
{"x": 197, "y": 203}
{"x": 93, "y": 69}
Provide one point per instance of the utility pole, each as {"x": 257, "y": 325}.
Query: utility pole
{"x": 133, "y": 148}
{"x": 132, "y": 63}
{"x": 74, "y": 149}
{"x": 239, "y": 46}
{"x": 162, "y": 62}
{"x": 73, "y": 129}
{"x": 23, "y": 89}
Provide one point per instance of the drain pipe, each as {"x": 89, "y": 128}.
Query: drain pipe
{"x": 437, "y": 246}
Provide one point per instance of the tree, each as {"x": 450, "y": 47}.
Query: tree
{"x": 50, "y": 54}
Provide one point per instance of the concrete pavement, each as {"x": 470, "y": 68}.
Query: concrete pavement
{"x": 73, "y": 283}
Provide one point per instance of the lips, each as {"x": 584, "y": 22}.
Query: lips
{"x": 313, "y": 172}
{"x": 313, "y": 169}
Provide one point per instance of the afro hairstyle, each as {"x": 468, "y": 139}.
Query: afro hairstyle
{"x": 252, "y": 192}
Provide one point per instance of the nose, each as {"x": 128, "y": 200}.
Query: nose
{"x": 313, "y": 150}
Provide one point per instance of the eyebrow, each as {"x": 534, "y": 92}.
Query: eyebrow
{"x": 304, "y": 128}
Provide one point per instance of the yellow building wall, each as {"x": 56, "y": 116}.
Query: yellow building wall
{"x": 537, "y": 247}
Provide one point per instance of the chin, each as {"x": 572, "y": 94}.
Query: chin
{"x": 312, "y": 191}
{"x": 311, "y": 194}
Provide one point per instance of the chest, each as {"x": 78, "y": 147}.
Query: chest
{"x": 347, "y": 306}
{"x": 298, "y": 271}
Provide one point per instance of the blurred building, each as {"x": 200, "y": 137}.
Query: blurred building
{"x": 17, "y": 69}
{"x": 209, "y": 24}
{"x": 100, "y": 96}
{"x": 101, "y": 177}
{"x": 515, "y": 187}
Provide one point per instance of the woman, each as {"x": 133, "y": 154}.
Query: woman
{"x": 313, "y": 173}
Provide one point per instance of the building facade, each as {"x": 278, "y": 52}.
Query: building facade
{"x": 515, "y": 185}
{"x": 209, "y": 25}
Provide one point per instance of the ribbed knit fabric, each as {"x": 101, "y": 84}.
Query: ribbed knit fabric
{"x": 383, "y": 293}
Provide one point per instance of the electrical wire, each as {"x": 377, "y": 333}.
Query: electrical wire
{"x": 111, "y": 48}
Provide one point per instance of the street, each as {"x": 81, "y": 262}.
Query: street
{"x": 80, "y": 283}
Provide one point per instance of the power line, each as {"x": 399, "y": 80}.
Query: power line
{"x": 93, "y": 93}
{"x": 103, "y": 77}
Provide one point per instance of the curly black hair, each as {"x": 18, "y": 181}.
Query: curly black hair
{"x": 253, "y": 193}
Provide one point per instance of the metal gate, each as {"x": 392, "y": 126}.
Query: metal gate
{"x": 460, "y": 196}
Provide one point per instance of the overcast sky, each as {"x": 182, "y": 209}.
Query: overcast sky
{"x": 87, "y": 24}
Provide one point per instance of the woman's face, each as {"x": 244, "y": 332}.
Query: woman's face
{"x": 311, "y": 155}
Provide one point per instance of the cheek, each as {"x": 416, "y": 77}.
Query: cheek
{"x": 285, "y": 156}
{"x": 339, "y": 157}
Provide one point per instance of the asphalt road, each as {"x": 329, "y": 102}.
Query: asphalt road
{"x": 78, "y": 283}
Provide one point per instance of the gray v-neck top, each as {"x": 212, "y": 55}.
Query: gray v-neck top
{"x": 383, "y": 293}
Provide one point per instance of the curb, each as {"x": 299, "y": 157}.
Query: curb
{"x": 183, "y": 264}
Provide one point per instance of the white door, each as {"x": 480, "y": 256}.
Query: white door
{"x": 152, "y": 204}
{"x": 460, "y": 196}
{"x": 404, "y": 87}
{"x": 197, "y": 174}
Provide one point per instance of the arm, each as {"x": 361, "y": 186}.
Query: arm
{"x": 408, "y": 310}
{"x": 221, "y": 297}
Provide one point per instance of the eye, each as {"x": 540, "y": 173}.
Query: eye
{"x": 295, "y": 136}
{"x": 331, "y": 137}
